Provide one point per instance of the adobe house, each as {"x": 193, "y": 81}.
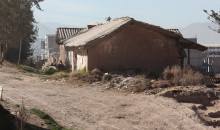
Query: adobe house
{"x": 61, "y": 35}
{"x": 125, "y": 43}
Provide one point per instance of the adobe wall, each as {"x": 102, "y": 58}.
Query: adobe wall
{"x": 76, "y": 58}
{"x": 134, "y": 47}
{"x": 63, "y": 55}
{"x": 81, "y": 59}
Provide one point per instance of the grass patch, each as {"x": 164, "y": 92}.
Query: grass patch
{"x": 25, "y": 69}
{"x": 49, "y": 70}
{"x": 28, "y": 69}
{"x": 60, "y": 73}
{"x": 20, "y": 79}
{"x": 17, "y": 106}
{"x": 83, "y": 70}
{"x": 47, "y": 119}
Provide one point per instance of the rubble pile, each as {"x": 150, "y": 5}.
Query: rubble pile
{"x": 205, "y": 98}
{"x": 131, "y": 84}
{"x": 196, "y": 94}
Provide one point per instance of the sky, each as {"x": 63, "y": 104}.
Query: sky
{"x": 164, "y": 13}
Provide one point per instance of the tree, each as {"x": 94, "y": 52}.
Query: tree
{"x": 16, "y": 23}
{"x": 215, "y": 18}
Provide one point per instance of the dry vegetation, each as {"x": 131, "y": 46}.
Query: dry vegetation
{"x": 132, "y": 81}
{"x": 186, "y": 76}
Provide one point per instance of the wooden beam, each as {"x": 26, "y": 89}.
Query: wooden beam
{"x": 188, "y": 61}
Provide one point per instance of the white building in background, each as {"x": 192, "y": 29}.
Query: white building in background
{"x": 43, "y": 50}
{"x": 49, "y": 47}
{"x": 207, "y": 61}
{"x": 212, "y": 59}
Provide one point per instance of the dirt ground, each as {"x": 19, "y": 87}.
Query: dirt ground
{"x": 96, "y": 108}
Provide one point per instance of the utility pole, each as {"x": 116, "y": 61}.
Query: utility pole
{"x": 19, "y": 56}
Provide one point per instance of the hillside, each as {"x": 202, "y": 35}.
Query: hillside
{"x": 49, "y": 28}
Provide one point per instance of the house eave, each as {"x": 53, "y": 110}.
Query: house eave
{"x": 187, "y": 44}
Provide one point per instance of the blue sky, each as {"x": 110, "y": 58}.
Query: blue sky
{"x": 164, "y": 13}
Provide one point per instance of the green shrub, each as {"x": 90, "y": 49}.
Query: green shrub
{"x": 49, "y": 70}
{"x": 83, "y": 70}
{"x": 25, "y": 69}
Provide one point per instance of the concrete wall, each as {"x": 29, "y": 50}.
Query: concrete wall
{"x": 196, "y": 58}
{"x": 200, "y": 61}
{"x": 216, "y": 65}
{"x": 53, "y": 47}
{"x": 134, "y": 48}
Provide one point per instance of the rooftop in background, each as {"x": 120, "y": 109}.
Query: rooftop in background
{"x": 212, "y": 45}
{"x": 65, "y": 33}
{"x": 175, "y": 31}
{"x": 192, "y": 39}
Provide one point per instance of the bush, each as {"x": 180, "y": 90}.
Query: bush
{"x": 83, "y": 70}
{"x": 24, "y": 69}
{"x": 182, "y": 76}
{"x": 49, "y": 70}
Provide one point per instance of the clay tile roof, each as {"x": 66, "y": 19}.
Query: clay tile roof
{"x": 65, "y": 33}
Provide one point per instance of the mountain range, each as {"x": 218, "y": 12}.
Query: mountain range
{"x": 201, "y": 31}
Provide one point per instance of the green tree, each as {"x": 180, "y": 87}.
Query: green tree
{"x": 16, "y": 23}
{"x": 215, "y": 18}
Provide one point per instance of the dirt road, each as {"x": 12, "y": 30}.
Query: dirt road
{"x": 92, "y": 108}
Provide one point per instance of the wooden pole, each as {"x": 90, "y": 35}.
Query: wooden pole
{"x": 19, "y": 56}
{"x": 188, "y": 63}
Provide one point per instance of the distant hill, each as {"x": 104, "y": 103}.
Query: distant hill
{"x": 203, "y": 33}
{"x": 49, "y": 28}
